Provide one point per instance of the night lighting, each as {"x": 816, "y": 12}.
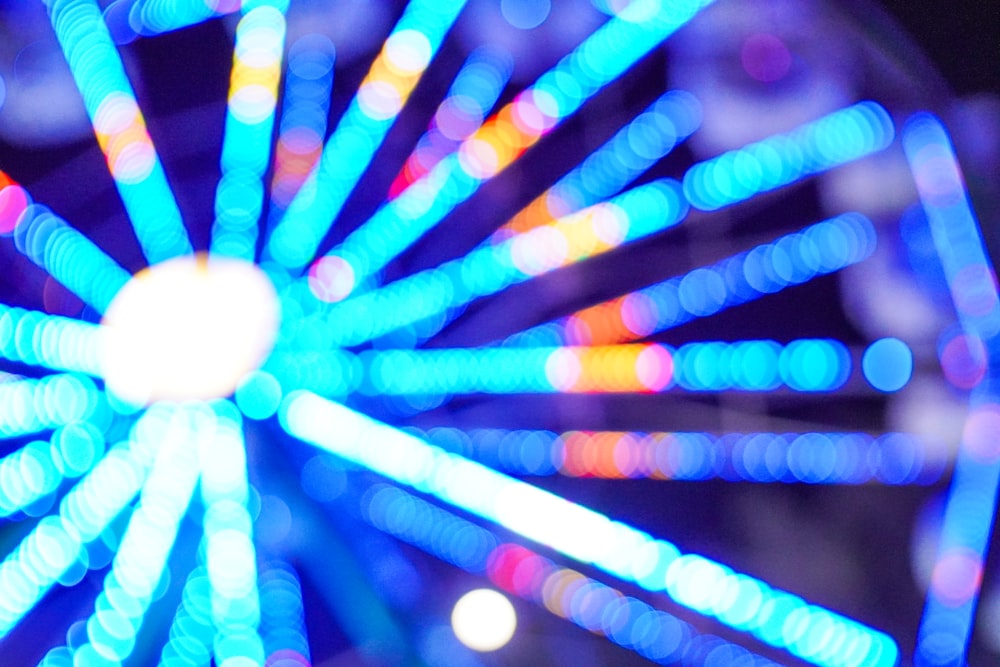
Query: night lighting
{"x": 951, "y": 601}
{"x": 188, "y": 328}
{"x": 120, "y": 128}
{"x": 397, "y": 69}
{"x": 484, "y": 620}
{"x": 816, "y": 634}
{"x": 600, "y": 59}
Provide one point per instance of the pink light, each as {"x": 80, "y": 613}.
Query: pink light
{"x": 957, "y": 576}
{"x": 765, "y": 58}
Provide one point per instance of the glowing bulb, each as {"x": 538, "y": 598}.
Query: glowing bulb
{"x": 188, "y": 328}
{"x": 483, "y": 620}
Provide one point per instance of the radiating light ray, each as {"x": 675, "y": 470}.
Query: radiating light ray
{"x": 813, "y": 457}
{"x": 642, "y": 142}
{"x": 793, "y": 259}
{"x": 56, "y": 544}
{"x": 120, "y": 128}
{"x": 246, "y": 142}
{"x": 304, "y": 111}
{"x": 34, "y": 471}
{"x": 192, "y": 631}
{"x": 945, "y": 628}
{"x": 833, "y": 140}
{"x": 557, "y": 94}
{"x": 472, "y": 94}
{"x": 282, "y": 625}
{"x": 803, "y": 365}
{"x": 58, "y": 343}
{"x": 140, "y": 563}
{"x": 69, "y": 257}
{"x": 230, "y": 554}
{"x": 154, "y": 17}
{"x": 28, "y": 406}
{"x": 638, "y": 213}
{"x": 586, "y": 602}
{"x": 627, "y": 621}
{"x": 397, "y": 69}
{"x": 777, "y": 618}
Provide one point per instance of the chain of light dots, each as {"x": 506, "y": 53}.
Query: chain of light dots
{"x": 151, "y": 461}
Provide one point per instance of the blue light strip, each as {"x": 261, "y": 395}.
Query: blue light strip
{"x": 246, "y": 142}
{"x": 304, "y": 111}
{"x": 803, "y": 365}
{"x": 230, "y": 556}
{"x": 69, "y": 257}
{"x": 192, "y": 631}
{"x": 792, "y": 259}
{"x": 636, "y": 147}
{"x": 971, "y": 505}
{"x": 120, "y": 128}
{"x": 812, "y": 458}
{"x": 635, "y": 214}
{"x": 59, "y": 343}
{"x": 831, "y": 141}
{"x": 779, "y": 619}
{"x": 56, "y": 544}
{"x": 282, "y": 622}
{"x": 154, "y": 17}
{"x": 558, "y": 93}
{"x": 141, "y": 559}
{"x": 407, "y": 52}
{"x": 607, "y": 612}
{"x": 29, "y": 406}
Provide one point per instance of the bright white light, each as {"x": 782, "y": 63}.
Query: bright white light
{"x": 483, "y": 620}
{"x": 188, "y": 328}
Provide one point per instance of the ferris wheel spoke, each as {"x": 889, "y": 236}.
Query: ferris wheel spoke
{"x": 155, "y": 17}
{"x": 603, "y": 57}
{"x": 584, "y": 535}
{"x": 246, "y": 142}
{"x": 51, "y": 341}
{"x": 814, "y": 457}
{"x": 405, "y": 56}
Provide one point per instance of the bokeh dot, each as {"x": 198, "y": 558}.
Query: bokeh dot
{"x": 888, "y": 364}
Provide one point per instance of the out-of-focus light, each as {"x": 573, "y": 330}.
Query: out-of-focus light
{"x": 484, "y": 620}
{"x": 188, "y": 328}
{"x": 888, "y": 364}
{"x": 525, "y": 14}
{"x": 765, "y": 57}
{"x": 258, "y": 395}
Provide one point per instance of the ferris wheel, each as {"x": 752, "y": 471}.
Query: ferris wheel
{"x": 670, "y": 323}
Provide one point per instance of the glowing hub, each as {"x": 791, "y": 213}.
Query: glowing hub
{"x": 484, "y": 620}
{"x": 188, "y": 328}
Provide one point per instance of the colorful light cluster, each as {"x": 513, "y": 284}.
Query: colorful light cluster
{"x": 628, "y": 622}
{"x": 29, "y": 406}
{"x": 54, "y": 549}
{"x": 968, "y": 518}
{"x": 472, "y": 94}
{"x": 36, "y": 470}
{"x": 230, "y": 555}
{"x": 138, "y": 567}
{"x": 304, "y": 112}
{"x": 640, "y": 212}
{"x": 282, "y": 622}
{"x": 738, "y": 601}
{"x": 69, "y": 257}
{"x": 120, "y": 128}
{"x": 601, "y": 58}
{"x": 804, "y": 365}
{"x": 792, "y": 259}
{"x": 603, "y": 610}
{"x": 835, "y": 139}
{"x": 13, "y": 201}
{"x": 813, "y": 458}
{"x": 58, "y": 343}
{"x": 397, "y": 69}
{"x": 246, "y": 143}
{"x": 631, "y": 151}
